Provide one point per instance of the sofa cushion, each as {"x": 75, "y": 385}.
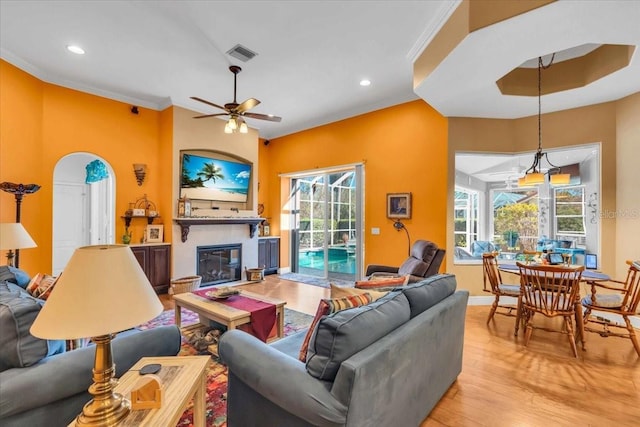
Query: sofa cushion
{"x": 429, "y": 292}
{"x": 18, "y": 348}
{"x": 14, "y": 275}
{"x": 339, "y": 292}
{"x": 328, "y": 306}
{"x": 341, "y": 335}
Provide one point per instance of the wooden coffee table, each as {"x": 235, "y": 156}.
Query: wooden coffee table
{"x": 231, "y": 317}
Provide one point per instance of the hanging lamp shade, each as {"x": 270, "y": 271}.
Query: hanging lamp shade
{"x": 560, "y": 179}
{"x": 534, "y": 178}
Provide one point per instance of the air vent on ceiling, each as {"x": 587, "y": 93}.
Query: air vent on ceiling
{"x": 241, "y": 52}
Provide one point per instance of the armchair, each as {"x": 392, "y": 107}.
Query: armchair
{"x": 425, "y": 261}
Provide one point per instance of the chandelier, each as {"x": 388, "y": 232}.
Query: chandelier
{"x": 236, "y": 124}
{"x": 534, "y": 175}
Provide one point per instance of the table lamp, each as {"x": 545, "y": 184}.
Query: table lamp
{"x": 101, "y": 291}
{"x": 14, "y": 236}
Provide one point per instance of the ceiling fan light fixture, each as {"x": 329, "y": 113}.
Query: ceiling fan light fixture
{"x": 236, "y": 112}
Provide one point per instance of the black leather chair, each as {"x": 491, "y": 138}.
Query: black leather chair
{"x": 425, "y": 261}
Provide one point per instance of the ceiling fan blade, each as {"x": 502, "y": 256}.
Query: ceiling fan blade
{"x": 208, "y": 103}
{"x": 210, "y": 115}
{"x": 263, "y": 117}
{"x": 247, "y": 105}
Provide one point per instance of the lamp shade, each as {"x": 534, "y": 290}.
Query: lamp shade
{"x": 560, "y": 179}
{"x": 102, "y": 290}
{"x": 14, "y": 236}
{"x": 534, "y": 178}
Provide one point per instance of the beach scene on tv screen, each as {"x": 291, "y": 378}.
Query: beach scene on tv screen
{"x": 207, "y": 178}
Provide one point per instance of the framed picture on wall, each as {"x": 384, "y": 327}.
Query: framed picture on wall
{"x": 154, "y": 233}
{"x": 398, "y": 205}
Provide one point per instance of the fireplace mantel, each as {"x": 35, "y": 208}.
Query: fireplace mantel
{"x": 185, "y": 223}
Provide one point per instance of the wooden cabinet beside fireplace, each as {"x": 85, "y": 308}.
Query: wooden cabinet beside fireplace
{"x": 155, "y": 260}
{"x": 269, "y": 254}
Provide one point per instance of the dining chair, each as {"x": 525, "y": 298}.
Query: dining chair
{"x": 551, "y": 291}
{"x": 492, "y": 282}
{"x": 620, "y": 298}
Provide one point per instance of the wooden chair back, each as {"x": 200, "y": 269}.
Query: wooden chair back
{"x": 491, "y": 278}
{"x": 550, "y": 290}
{"x": 631, "y": 299}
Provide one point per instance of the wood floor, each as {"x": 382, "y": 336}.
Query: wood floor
{"x": 504, "y": 383}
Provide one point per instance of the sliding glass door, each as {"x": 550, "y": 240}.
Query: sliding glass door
{"x": 327, "y": 224}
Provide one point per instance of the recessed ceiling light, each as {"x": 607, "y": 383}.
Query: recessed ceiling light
{"x": 75, "y": 49}
{"x": 365, "y": 82}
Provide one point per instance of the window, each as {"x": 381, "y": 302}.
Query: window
{"x": 569, "y": 209}
{"x": 515, "y": 219}
{"x": 466, "y": 219}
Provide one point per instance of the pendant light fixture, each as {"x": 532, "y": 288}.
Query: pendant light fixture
{"x": 534, "y": 175}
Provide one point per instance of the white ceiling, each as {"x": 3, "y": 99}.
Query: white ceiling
{"x": 311, "y": 54}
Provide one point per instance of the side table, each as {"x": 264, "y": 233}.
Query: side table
{"x": 183, "y": 378}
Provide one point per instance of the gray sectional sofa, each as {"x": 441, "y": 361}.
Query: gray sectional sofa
{"x": 41, "y": 384}
{"x": 387, "y": 363}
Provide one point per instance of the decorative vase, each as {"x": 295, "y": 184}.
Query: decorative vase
{"x": 126, "y": 238}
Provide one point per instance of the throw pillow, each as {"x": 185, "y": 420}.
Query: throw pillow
{"x": 41, "y": 286}
{"x": 15, "y": 275}
{"x": 340, "y": 292}
{"x": 328, "y": 306}
{"x": 382, "y": 282}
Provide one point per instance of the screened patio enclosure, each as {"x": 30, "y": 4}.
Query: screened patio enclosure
{"x": 325, "y": 239}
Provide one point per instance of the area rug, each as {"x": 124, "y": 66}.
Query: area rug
{"x": 216, "y": 405}
{"x": 315, "y": 281}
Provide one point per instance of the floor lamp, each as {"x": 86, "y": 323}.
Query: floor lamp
{"x": 18, "y": 190}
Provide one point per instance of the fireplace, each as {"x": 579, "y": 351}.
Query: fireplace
{"x": 219, "y": 263}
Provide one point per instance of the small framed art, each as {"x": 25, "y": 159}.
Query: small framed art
{"x": 154, "y": 233}
{"x": 398, "y": 205}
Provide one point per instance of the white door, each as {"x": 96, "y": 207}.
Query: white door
{"x": 70, "y": 226}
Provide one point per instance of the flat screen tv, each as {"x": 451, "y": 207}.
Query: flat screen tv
{"x": 206, "y": 177}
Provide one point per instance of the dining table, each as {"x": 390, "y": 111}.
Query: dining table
{"x": 587, "y": 276}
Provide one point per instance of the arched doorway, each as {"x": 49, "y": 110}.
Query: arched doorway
{"x": 83, "y": 205}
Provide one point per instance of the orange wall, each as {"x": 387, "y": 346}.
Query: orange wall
{"x": 41, "y": 123}
{"x": 403, "y": 148}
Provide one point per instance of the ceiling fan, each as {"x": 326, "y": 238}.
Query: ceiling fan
{"x": 237, "y": 112}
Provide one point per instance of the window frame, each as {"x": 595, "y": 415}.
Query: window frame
{"x": 582, "y": 204}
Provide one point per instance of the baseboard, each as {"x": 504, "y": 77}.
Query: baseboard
{"x": 488, "y": 300}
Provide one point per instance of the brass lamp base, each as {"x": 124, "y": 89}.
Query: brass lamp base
{"x": 106, "y": 408}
